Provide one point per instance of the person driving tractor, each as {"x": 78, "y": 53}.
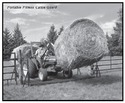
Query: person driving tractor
{"x": 41, "y": 52}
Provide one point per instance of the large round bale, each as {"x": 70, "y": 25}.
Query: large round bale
{"x": 81, "y": 44}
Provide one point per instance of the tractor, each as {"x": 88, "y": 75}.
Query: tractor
{"x": 49, "y": 65}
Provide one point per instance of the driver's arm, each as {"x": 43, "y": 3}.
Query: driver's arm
{"x": 36, "y": 53}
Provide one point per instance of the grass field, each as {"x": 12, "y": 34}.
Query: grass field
{"x": 106, "y": 87}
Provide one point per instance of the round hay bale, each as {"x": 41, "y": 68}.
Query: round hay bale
{"x": 81, "y": 44}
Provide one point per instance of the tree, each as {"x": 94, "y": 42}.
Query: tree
{"x": 61, "y": 29}
{"x": 115, "y": 41}
{"x": 18, "y": 37}
{"x": 52, "y": 35}
{"x": 7, "y": 38}
{"x": 120, "y": 29}
{"x": 12, "y": 41}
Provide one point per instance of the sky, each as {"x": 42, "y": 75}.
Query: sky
{"x": 35, "y": 19}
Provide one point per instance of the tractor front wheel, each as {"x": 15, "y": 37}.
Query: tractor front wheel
{"x": 42, "y": 74}
{"x": 67, "y": 74}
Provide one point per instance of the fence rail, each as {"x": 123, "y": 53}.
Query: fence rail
{"x": 10, "y": 59}
{"x": 9, "y": 66}
{"x": 109, "y": 58}
{"x": 111, "y": 63}
{"x": 108, "y": 64}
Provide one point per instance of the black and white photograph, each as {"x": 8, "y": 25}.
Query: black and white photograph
{"x": 62, "y": 51}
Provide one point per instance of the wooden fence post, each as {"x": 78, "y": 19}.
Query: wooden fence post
{"x": 31, "y": 49}
{"x": 96, "y": 70}
{"x": 15, "y": 68}
{"x": 21, "y": 68}
{"x": 110, "y": 62}
{"x": 28, "y": 72}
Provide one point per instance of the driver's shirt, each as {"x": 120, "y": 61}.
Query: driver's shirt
{"x": 40, "y": 52}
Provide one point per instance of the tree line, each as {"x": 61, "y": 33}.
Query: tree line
{"x": 12, "y": 40}
{"x": 15, "y": 39}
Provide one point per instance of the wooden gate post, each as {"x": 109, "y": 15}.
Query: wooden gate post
{"x": 15, "y": 69}
{"x": 28, "y": 72}
{"x": 31, "y": 49}
{"x": 110, "y": 62}
{"x": 21, "y": 67}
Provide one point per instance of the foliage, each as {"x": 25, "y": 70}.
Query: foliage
{"x": 53, "y": 35}
{"x": 11, "y": 41}
{"x": 115, "y": 41}
{"x": 7, "y": 38}
{"x": 61, "y": 29}
{"x": 18, "y": 37}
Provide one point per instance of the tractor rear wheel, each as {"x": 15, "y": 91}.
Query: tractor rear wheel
{"x": 32, "y": 68}
{"x": 42, "y": 74}
{"x": 33, "y": 72}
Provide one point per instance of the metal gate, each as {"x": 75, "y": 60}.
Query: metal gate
{"x": 13, "y": 73}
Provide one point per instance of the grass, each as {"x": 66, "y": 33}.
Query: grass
{"x": 107, "y": 87}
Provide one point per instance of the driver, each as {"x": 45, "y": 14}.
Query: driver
{"x": 40, "y": 53}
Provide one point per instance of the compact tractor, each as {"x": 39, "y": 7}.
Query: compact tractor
{"x": 49, "y": 65}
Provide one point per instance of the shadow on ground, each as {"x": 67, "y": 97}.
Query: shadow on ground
{"x": 103, "y": 80}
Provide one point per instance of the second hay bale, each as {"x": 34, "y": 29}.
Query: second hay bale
{"x": 81, "y": 44}
{"x": 25, "y": 51}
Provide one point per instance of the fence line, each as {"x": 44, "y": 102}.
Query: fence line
{"x": 110, "y": 64}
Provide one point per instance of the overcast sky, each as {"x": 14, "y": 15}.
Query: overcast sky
{"x": 35, "y": 23}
